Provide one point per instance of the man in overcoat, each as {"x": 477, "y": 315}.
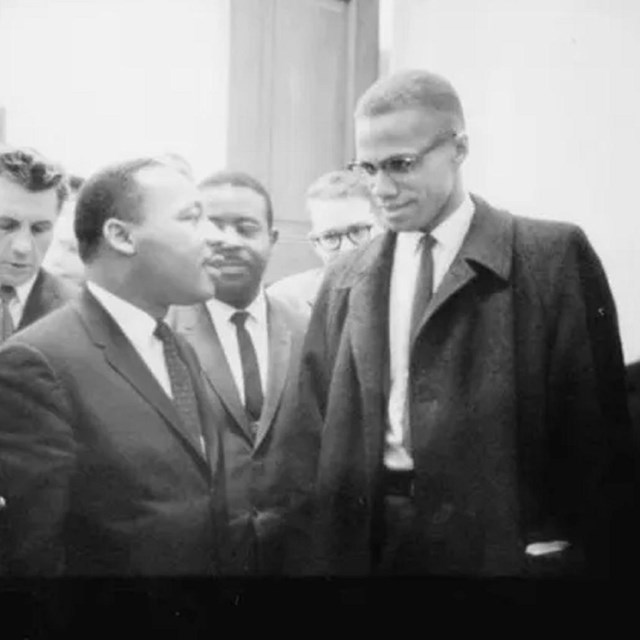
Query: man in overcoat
{"x": 462, "y": 392}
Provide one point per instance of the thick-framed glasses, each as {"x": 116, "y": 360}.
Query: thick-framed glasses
{"x": 400, "y": 165}
{"x": 332, "y": 240}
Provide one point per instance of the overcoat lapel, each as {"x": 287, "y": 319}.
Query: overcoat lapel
{"x": 368, "y": 331}
{"x": 489, "y": 244}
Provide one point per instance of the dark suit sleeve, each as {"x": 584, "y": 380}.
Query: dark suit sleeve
{"x": 37, "y": 456}
{"x": 593, "y": 452}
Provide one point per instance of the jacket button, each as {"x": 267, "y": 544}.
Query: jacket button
{"x": 3, "y": 503}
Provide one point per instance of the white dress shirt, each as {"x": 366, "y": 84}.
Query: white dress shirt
{"x": 19, "y": 301}
{"x": 138, "y": 326}
{"x": 256, "y": 325}
{"x": 448, "y": 236}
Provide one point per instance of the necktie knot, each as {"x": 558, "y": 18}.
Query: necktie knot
{"x": 7, "y": 292}
{"x": 163, "y": 332}
{"x": 239, "y": 318}
{"x": 426, "y": 242}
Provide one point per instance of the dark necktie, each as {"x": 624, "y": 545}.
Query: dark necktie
{"x": 7, "y": 294}
{"x": 184, "y": 397}
{"x": 424, "y": 283}
{"x": 250, "y": 369}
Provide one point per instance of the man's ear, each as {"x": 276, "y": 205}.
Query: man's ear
{"x": 274, "y": 234}
{"x": 117, "y": 234}
{"x": 462, "y": 147}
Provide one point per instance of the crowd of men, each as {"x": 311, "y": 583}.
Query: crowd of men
{"x": 445, "y": 396}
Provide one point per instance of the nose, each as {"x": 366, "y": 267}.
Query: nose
{"x": 22, "y": 243}
{"x": 210, "y": 231}
{"x": 381, "y": 185}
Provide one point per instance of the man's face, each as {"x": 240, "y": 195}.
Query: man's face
{"x": 62, "y": 258}
{"x": 244, "y": 241}
{"x": 172, "y": 243}
{"x": 340, "y": 225}
{"x": 417, "y": 199}
{"x": 26, "y": 228}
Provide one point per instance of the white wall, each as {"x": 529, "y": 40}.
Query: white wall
{"x": 91, "y": 81}
{"x": 551, "y": 90}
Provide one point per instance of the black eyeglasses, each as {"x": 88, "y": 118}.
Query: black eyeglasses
{"x": 401, "y": 164}
{"x": 332, "y": 240}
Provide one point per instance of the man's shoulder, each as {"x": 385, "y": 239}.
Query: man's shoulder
{"x": 55, "y": 325}
{"x": 292, "y": 316}
{"x": 540, "y": 238}
{"x": 297, "y": 288}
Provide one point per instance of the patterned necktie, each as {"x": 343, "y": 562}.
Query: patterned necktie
{"x": 7, "y": 294}
{"x": 184, "y": 397}
{"x": 250, "y": 370}
{"x": 424, "y": 283}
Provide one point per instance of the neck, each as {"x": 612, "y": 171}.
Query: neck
{"x": 114, "y": 281}
{"x": 240, "y": 300}
{"x": 455, "y": 200}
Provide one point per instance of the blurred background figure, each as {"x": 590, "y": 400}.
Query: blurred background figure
{"x": 62, "y": 258}
{"x": 342, "y": 218}
{"x": 32, "y": 193}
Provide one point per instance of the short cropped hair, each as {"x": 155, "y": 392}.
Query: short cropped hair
{"x": 33, "y": 172}
{"x": 112, "y": 192}
{"x": 412, "y": 89}
{"x": 240, "y": 179}
{"x": 336, "y": 185}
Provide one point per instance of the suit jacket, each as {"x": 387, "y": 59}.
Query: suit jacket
{"x": 98, "y": 474}
{"x": 257, "y": 512}
{"x": 299, "y": 290}
{"x": 519, "y": 426}
{"x": 48, "y": 293}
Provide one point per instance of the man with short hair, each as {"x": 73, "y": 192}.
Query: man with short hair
{"x": 32, "y": 192}
{"x": 110, "y": 462}
{"x": 462, "y": 372}
{"x": 249, "y": 345}
{"x": 342, "y": 218}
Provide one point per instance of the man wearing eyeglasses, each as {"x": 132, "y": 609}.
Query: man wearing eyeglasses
{"x": 342, "y": 219}
{"x": 462, "y": 381}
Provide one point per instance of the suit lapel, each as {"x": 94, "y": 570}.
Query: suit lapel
{"x": 369, "y": 322}
{"x": 42, "y": 298}
{"x": 124, "y": 359}
{"x": 488, "y": 245}
{"x": 195, "y": 324}
{"x": 279, "y": 361}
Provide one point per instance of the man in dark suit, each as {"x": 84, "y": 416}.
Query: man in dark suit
{"x": 109, "y": 456}
{"x": 462, "y": 373}
{"x": 249, "y": 346}
{"x": 32, "y": 192}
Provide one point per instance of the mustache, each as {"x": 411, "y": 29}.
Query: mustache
{"x": 220, "y": 258}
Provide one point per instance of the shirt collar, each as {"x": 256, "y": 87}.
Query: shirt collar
{"x": 449, "y": 232}
{"x": 257, "y": 310}
{"x": 135, "y": 323}
{"x": 24, "y": 290}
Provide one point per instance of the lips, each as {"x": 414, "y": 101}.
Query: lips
{"x": 18, "y": 266}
